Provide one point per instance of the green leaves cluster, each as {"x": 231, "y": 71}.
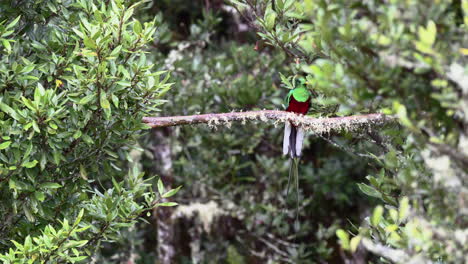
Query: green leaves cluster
{"x": 52, "y": 245}
{"x": 101, "y": 218}
{"x": 75, "y": 82}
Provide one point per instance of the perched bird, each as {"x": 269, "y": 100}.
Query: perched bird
{"x": 297, "y": 101}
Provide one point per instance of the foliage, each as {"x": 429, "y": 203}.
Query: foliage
{"x": 77, "y": 76}
{"x": 240, "y": 168}
{"x": 364, "y": 56}
{"x": 74, "y": 84}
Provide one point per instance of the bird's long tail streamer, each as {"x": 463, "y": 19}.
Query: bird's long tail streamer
{"x": 287, "y": 134}
{"x": 292, "y": 142}
{"x": 294, "y": 173}
{"x": 292, "y": 145}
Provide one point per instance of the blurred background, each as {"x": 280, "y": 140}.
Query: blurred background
{"x": 233, "y": 204}
{"x": 79, "y": 169}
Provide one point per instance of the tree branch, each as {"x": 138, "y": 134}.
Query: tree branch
{"x": 395, "y": 255}
{"x": 315, "y": 125}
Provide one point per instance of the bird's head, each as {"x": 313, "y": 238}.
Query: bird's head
{"x": 300, "y": 81}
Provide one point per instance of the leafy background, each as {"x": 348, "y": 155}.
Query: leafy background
{"x": 393, "y": 195}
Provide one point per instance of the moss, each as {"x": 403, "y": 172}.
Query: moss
{"x": 314, "y": 125}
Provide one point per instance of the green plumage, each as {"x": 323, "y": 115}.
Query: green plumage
{"x": 300, "y": 92}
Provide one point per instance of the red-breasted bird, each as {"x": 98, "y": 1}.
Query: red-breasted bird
{"x": 297, "y": 101}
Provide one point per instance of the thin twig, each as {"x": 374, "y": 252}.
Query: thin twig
{"x": 346, "y": 149}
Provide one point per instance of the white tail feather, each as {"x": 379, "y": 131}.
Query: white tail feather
{"x": 287, "y": 133}
{"x": 299, "y": 141}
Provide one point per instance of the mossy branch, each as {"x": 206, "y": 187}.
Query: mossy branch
{"x": 316, "y": 125}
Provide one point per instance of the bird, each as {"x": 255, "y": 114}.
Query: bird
{"x": 297, "y": 101}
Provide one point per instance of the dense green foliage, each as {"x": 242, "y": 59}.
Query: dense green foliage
{"x": 77, "y": 76}
{"x": 74, "y": 84}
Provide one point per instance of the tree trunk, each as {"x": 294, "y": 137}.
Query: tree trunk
{"x": 163, "y": 166}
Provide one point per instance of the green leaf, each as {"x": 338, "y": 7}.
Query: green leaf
{"x": 27, "y": 243}
{"x": 124, "y": 83}
{"x": 369, "y": 190}
{"x": 137, "y": 27}
{"x": 79, "y": 217}
{"x": 83, "y": 172}
{"x": 7, "y": 33}
{"x": 168, "y": 204}
{"x": 116, "y": 51}
{"x": 353, "y": 245}
{"x": 78, "y": 259}
{"x": 86, "y": 99}
{"x": 403, "y": 210}
{"x": 5, "y": 145}
{"x": 77, "y": 134}
{"x": 39, "y": 92}
{"x": 391, "y": 228}
{"x": 98, "y": 16}
{"x": 13, "y": 23}
{"x": 286, "y": 81}
{"x": 280, "y": 5}
{"x": 171, "y": 192}
{"x": 270, "y": 18}
{"x": 79, "y": 33}
{"x": 402, "y": 114}
{"x": 115, "y": 100}
{"x": 428, "y": 35}
{"x": 7, "y": 45}
{"x": 30, "y": 164}
{"x": 12, "y": 183}
{"x": 89, "y": 43}
{"x": 28, "y": 69}
{"x": 104, "y": 102}
{"x": 10, "y": 111}
{"x": 344, "y": 238}
{"x": 35, "y": 126}
{"x": 28, "y": 103}
{"x": 393, "y": 215}
{"x": 28, "y": 213}
{"x": 391, "y": 159}
{"x": 40, "y": 196}
{"x": 160, "y": 187}
{"x": 50, "y": 185}
{"x": 377, "y": 215}
{"x": 75, "y": 244}
{"x": 116, "y": 185}
{"x": 423, "y": 47}
{"x": 17, "y": 245}
{"x": 28, "y": 151}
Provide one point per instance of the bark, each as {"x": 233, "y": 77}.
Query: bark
{"x": 316, "y": 125}
{"x": 163, "y": 166}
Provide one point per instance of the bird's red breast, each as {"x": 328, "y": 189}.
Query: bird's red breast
{"x": 298, "y": 107}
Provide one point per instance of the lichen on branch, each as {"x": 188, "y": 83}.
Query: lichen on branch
{"x": 313, "y": 124}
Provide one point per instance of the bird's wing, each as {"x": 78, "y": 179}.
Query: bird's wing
{"x": 287, "y": 99}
